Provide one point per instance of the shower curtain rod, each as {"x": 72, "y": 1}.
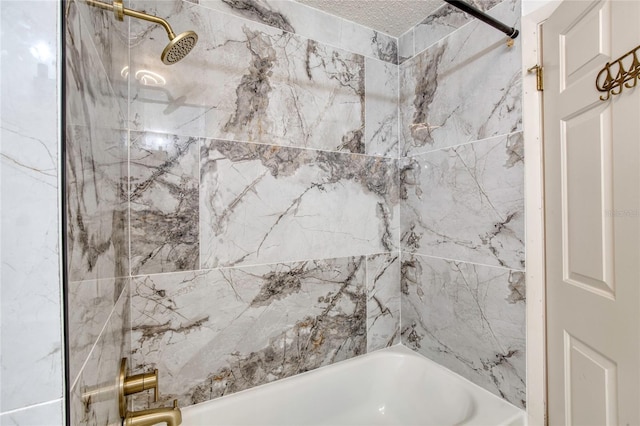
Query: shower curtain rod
{"x": 477, "y": 13}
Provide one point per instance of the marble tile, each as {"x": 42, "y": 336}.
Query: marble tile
{"x": 357, "y": 38}
{"x": 261, "y": 85}
{"x": 464, "y": 88}
{"x": 286, "y": 15}
{"x": 268, "y": 204}
{"x": 164, "y": 203}
{"x": 89, "y": 305}
{"x": 47, "y": 414}
{"x": 469, "y": 318}
{"x": 30, "y": 299}
{"x": 90, "y": 99}
{"x": 97, "y": 241}
{"x": 312, "y": 23}
{"x": 406, "y": 46}
{"x": 383, "y": 300}
{"x": 110, "y": 39}
{"x": 467, "y": 202}
{"x": 446, "y": 20}
{"x": 215, "y": 332}
{"x": 94, "y": 397}
{"x": 381, "y": 109}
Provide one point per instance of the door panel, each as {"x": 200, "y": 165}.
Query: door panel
{"x": 586, "y": 163}
{"x": 591, "y": 397}
{"x": 592, "y": 215}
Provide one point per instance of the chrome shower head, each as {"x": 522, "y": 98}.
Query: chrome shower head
{"x": 179, "y": 47}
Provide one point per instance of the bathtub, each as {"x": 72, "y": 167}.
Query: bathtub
{"x": 393, "y": 386}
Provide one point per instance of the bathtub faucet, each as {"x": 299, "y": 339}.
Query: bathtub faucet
{"x": 170, "y": 416}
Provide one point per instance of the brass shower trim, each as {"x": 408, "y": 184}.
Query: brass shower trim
{"x": 128, "y": 385}
{"x": 179, "y": 46}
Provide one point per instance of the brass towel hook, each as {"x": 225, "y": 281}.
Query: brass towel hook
{"x": 622, "y": 73}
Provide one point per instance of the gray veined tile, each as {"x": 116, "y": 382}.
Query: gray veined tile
{"x": 446, "y": 20}
{"x": 215, "y": 332}
{"x": 90, "y": 304}
{"x": 383, "y": 300}
{"x": 464, "y": 88}
{"x": 406, "y": 46}
{"x": 469, "y": 318}
{"x": 466, "y": 202}
{"x": 164, "y": 203}
{"x": 262, "y": 84}
{"x": 312, "y": 23}
{"x": 357, "y": 38}
{"x": 110, "y": 39}
{"x": 266, "y": 204}
{"x": 381, "y": 106}
{"x": 93, "y": 397}
{"x": 90, "y": 97}
{"x": 97, "y": 241}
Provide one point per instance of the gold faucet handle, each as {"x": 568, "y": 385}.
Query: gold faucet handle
{"x": 142, "y": 382}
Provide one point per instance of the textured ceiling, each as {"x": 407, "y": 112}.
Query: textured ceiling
{"x": 393, "y": 17}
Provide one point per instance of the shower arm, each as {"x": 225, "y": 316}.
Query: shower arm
{"x": 120, "y": 11}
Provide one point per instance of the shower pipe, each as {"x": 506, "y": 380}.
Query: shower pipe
{"x": 477, "y": 13}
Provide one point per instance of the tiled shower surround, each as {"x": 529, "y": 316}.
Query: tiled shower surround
{"x": 462, "y": 209}
{"x": 274, "y": 202}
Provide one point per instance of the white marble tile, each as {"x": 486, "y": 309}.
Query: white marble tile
{"x": 90, "y": 99}
{"x": 357, "y": 38}
{"x": 248, "y": 82}
{"x": 268, "y": 204}
{"x": 46, "y": 414}
{"x": 469, "y": 318}
{"x": 286, "y": 15}
{"x": 406, "y": 46}
{"x": 467, "y": 202}
{"x": 97, "y": 241}
{"x": 212, "y": 333}
{"x": 383, "y": 300}
{"x": 444, "y": 21}
{"x": 464, "y": 88}
{"x": 94, "y": 396}
{"x": 110, "y": 39}
{"x": 164, "y": 203}
{"x": 89, "y": 305}
{"x": 311, "y": 23}
{"x": 381, "y": 109}
{"x": 31, "y": 324}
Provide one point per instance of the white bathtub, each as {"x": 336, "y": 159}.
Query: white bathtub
{"x": 393, "y": 386}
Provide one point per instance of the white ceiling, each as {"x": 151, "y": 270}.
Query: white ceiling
{"x": 393, "y": 17}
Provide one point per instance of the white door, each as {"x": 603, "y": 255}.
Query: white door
{"x": 592, "y": 217}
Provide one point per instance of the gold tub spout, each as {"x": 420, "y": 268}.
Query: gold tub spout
{"x": 170, "y": 416}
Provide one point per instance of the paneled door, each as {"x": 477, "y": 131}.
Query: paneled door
{"x": 592, "y": 217}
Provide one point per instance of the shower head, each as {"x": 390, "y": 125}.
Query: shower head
{"x": 179, "y": 46}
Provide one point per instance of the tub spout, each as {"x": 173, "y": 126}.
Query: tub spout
{"x": 170, "y": 416}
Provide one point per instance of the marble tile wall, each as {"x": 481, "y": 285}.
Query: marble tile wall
{"x": 469, "y": 318}
{"x": 215, "y": 332}
{"x": 263, "y": 196}
{"x": 256, "y": 196}
{"x": 312, "y": 23}
{"x": 96, "y": 139}
{"x": 462, "y": 198}
{"x": 30, "y": 294}
{"x": 438, "y": 25}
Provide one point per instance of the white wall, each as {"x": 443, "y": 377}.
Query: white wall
{"x": 31, "y": 381}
